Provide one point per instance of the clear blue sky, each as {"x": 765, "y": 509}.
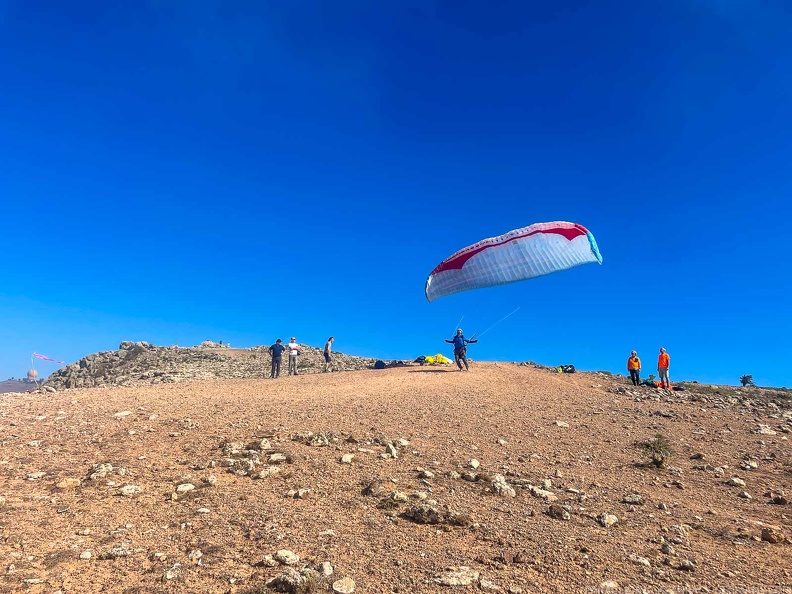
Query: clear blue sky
{"x": 243, "y": 171}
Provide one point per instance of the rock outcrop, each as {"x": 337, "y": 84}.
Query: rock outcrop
{"x": 141, "y": 362}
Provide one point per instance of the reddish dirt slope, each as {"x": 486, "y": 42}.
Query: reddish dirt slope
{"x": 503, "y": 415}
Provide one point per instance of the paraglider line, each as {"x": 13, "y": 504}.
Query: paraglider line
{"x": 495, "y": 324}
{"x": 458, "y": 324}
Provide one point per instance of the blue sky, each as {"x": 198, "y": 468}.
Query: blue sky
{"x": 181, "y": 171}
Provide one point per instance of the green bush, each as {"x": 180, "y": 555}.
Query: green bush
{"x": 657, "y": 449}
{"x": 747, "y": 380}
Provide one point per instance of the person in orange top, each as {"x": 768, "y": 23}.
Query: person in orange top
{"x": 634, "y": 367}
{"x": 663, "y": 363}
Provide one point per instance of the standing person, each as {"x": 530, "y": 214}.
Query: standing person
{"x": 663, "y": 363}
{"x": 294, "y": 350}
{"x": 276, "y": 352}
{"x": 634, "y": 367}
{"x": 327, "y": 352}
{"x": 460, "y": 349}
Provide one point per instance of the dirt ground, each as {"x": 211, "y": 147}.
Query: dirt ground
{"x": 510, "y": 418}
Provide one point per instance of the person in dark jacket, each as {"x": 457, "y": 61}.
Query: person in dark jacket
{"x": 460, "y": 349}
{"x": 276, "y": 352}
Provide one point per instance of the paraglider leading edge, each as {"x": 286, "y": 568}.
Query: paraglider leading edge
{"x": 524, "y": 253}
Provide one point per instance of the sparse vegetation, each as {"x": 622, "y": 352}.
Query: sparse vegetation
{"x": 747, "y": 380}
{"x": 657, "y": 449}
{"x": 651, "y": 377}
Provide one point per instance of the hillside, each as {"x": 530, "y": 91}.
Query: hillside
{"x": 13, "y": 385}
{"x": 144, "y": 363}
{"x": 522, "y": 479}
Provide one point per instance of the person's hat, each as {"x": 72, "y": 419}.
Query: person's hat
{"x": 459, "y": 330}
{"x": 293, "y": 338}
{"x": 279, "y": 340}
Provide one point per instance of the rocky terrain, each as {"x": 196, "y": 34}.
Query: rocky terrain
{"x": 140, "y": 362}
{"x": 509, "y": 478}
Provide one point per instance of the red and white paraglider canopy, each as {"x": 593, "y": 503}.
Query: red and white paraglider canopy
{"x": 518, "y": 255}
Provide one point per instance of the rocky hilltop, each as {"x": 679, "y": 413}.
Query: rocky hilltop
{"x": 144, "y": 363}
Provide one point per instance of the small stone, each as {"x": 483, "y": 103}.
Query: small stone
{"x": 744, "y": 495}
{"x": 563, "y": 424}
{"x": 609, "y": 586}
{"x": 347, "y": 458}
{"x": 735, "y": 482}
{"x": 457, "y": 576}
{"x": 268, "y": 471}
{"x": 129, "y": 490}
{"x": 326, "y": 569}
{"x": 426, "y": 474}
{"x": 203, "y": 510}
{"x": 286, "y": 557}
{"x": 638, "y": 560}
{"x": 772, "y": 535}
{"x": 185, "y": 488}
{"x": 488, "y": 585}
{"x": 558, "y": 512}
{"x": 85, "y": 555}
{"x": 173, "y": 573}
{"x": 195, "y": 556}
{"x": 662, "y": 506}
{"x": 764, "y": 430}
{"x": 473, "y": 463}
{"x": 120, "y": 550}
{"x": 542, "y": 494}
{"x": 668, "y": 549}
{"x": 122, "y": 414}
{"x": 344, "y": 586}
{"x": 210, "y": 480}
{"x": 34, "y": 476}
{"x": 607, "y": 520}
{"x": 501, "y": 487}
{"x": 687, "y": 565}
{"x": 633, "y": 499}
{"x": 277, "y": 458}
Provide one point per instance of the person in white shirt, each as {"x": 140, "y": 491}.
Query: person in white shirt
{"x": 294, "y": 350}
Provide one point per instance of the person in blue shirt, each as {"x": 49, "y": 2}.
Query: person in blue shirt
{"x": 460, "y": 349}
{"x": 276, "y": 352}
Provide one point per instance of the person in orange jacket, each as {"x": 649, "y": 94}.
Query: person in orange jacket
{"x": 634, "y": 367}
{"x": 663, "y": 363}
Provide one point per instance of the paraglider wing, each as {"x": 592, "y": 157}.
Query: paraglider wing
{"x": 518, "y": 255}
